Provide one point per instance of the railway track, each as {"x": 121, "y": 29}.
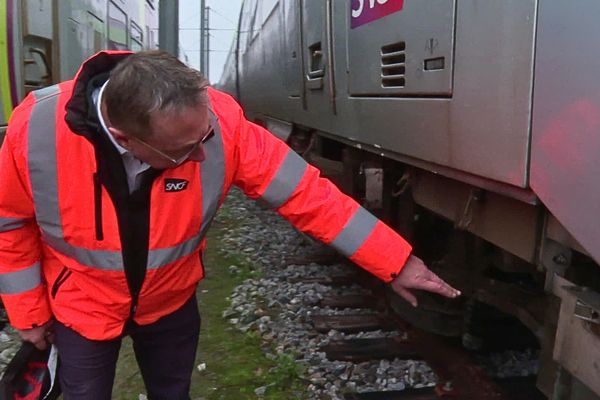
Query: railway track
{"x": 337, "y": 320}
{"x": 458, "y": 375}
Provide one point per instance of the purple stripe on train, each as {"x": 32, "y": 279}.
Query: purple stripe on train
{"x": 365, "y": 11}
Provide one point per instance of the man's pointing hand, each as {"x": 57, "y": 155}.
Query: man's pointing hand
{"x": 416, "y": 275}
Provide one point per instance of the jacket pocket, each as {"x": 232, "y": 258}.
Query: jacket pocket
{"x": 62, "y": 277}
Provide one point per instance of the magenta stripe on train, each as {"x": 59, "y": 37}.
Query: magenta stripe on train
{"x": 365, "y": 11}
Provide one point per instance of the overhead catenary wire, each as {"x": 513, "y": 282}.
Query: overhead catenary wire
{"x": 210, "y": 51}
{"x": 222, "y": 16}
{"x": 212, "y": 29}
{"x": 223, "y": 25}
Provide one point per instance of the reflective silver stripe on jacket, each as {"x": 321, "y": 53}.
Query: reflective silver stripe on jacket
{"x": 43, "y": 172}
{"x": 44, "y": 181}
{"x": 212, "y": 178}
{"x": 10, "y": 224}
{"x": 286, "y": 180}
{"x": 20, "y": 281}
{"x": 356, "y": 231}
{"x": 160, "y": 257}
{"x": 212, "y": 175}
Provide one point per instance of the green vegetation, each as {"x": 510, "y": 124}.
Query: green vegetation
{"x": 235, "y": 364}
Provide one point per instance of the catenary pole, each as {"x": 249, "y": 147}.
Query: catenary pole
{"x": 207, "y": 35}
{"x": 202, "y": 36}
{"x": 168, "y": 26}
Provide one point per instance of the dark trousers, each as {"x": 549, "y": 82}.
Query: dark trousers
{"x": 165, "y": 351}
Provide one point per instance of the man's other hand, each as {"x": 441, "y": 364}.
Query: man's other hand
{"x": 40, "y": 336}
{"x": 416, "y": 275}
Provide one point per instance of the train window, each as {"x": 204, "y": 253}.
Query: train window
{"x": 255, "y": 22}
{"x": 262, "y": 11}
{"x": 151, "y": 39}
{"x": 96, "y": 34}
{"x": 117, "y": 27}
{"x": 248, "y": 8}
{"x": 137, "y": 37}
{"x": 267, "y": 9}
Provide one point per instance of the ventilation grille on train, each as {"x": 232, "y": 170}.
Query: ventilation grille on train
{"x": 393, "y": 66}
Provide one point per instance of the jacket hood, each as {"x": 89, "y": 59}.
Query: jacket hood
{"x": 80, "y": 117}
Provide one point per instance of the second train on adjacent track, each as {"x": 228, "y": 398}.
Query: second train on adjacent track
{"x": 43, "y": 42}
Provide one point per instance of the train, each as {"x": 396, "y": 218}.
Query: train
{"x": 473, "y": 128}
{"x": 43, "y": 42}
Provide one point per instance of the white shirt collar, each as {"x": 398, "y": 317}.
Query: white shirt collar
{"x": 98, "y": 100}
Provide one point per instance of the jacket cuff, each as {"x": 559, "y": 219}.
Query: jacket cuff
{"x": 29, "y": 309}
{"x": 383, "y": 254}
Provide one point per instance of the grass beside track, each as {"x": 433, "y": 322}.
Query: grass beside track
{"x": 235, "y": 364}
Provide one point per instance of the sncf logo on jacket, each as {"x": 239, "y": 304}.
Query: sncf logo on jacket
{"x": 175, "y": 185}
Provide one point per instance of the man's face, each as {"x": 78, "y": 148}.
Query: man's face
{"x": 176, "y": 137}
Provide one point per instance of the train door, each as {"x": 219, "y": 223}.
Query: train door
{"x": 151, "y": 22}
{"x": 317, "y": 44}
{"x": 37, "y": 34}
{"x": 291, "y": 46}
{"x": 80, "y": 32}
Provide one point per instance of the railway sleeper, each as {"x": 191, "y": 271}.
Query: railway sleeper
{"x": 407, "y": 394}
{"x": 334, "y": 280}
{"x": 352, "y": 323}
{"x": 460, "y": 377}
{"x": 359, "y": 350}
{"x": 351, "y": 301}
{"x": 516, "y": 388}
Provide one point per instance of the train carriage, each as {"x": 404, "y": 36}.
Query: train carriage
{"x": 471, "y": 126}
{"x": 43, "y": 42}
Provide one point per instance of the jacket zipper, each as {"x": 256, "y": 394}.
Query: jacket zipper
{"x": 133, "y": 309}
{"x": 98, "y": 207}
{"x": 62, "y": 277}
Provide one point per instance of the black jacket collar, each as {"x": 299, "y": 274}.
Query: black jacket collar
{"x": 81, "y": 114}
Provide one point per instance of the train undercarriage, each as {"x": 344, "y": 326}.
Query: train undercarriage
{"x": 525, "y": 281}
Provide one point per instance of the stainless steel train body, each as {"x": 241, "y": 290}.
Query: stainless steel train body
{"x": 43, "y": 42}
{"x": 485, "y": 114}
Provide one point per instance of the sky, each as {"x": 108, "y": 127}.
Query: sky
{"x": 223, "y": 17}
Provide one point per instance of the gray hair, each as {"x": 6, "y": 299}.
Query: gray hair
{"x": 147, "y": 82}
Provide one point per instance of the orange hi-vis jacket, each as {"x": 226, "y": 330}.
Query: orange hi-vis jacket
{"x": 62, "y": 250}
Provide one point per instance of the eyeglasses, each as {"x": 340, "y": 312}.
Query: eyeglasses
{"x": 180, "y": 160}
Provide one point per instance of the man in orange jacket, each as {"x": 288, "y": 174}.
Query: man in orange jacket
{"x": 108, "y": 184}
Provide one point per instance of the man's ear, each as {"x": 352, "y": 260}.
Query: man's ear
{"x": 122, "y": 139}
